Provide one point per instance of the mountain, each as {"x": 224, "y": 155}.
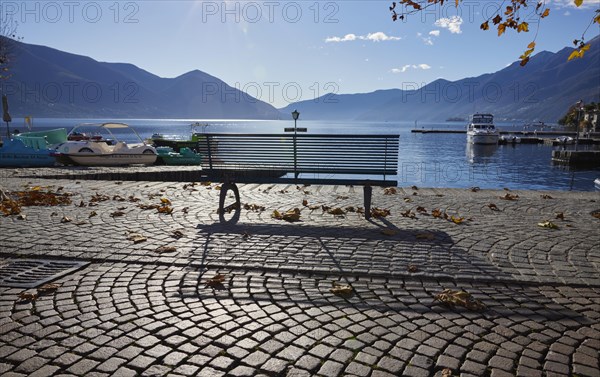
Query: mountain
{"x": 46, "y": 82}
{"x": 542, "y": 90}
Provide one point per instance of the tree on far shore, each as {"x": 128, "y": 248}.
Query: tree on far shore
{"x": 509, "y": 15}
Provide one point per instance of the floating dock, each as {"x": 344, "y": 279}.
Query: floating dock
{"x": 577, "y": 158}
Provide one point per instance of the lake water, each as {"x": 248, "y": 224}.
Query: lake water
{"x": 425, "y": 160}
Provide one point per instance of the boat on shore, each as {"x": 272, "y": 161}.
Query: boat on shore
{"x": 185, "y": 156}
{"x": 177, "y": 142}
{"x": 31, "y": 149}
{"x": 105, "y": 151}
{"x": 481, "y": 130}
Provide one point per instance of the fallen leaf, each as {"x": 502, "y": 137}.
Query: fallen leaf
{"x": 560, "y": 216}
{"x": 305, "y": 203}
{"x": 452, "y": 298}
{"x": 216, "y": 281}
{"x": 48, "y": 288}
{"x": 27, "y": 296}
{"x": 136, "y": 238}
{"x": 389, "y": 232}
{"x": 437, "y": 213}
{"x": 409, "y": 213}
{"x": 336, "y": 212}
{"x": 475, "y": 189}
{"x": 510, "y": 197}
{"x": 548, "y": 224}
{"x": 390, "y": 191}
{"x": 177, "y": 234}
{"x": 407, "y": 200}
{"x": 546, "y": 196}
{"x": 446, "y": 372}
{"x": 377, "y": 212}
{"x": 65, "y": 219}
{"x": 166, "y": 249}
{"x": 117, "y": 214}
{"x": 292, "y": 215}
{"x": 425, "y": 236}
{"x": 414, "y": 187}
{"x": 165, "y": 201}
{"x": 340, "y": 289}
{"x": 412, "y": 268}
{"x": 421, "y": 209}
{"x": 493, "y": 207}
{"x": 457, "y": 220}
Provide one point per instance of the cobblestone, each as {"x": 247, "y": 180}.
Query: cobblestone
{"x": 135, "y": 311}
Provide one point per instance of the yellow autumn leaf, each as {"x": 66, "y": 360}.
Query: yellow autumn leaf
{"x": 574, "y": 55}
{"x": 523, "y": 26}
{"x": 485, "y": 26}
{"x": 578, "y": 2}
{"x": 165, "y": 201}
{"x": 531, "y": 46}
{"x": 501, "y": 29}
{"x": 546, "y": 13}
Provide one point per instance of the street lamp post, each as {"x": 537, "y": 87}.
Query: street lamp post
{"x": 295, "y": 115}
{"x": 579, "y": 105}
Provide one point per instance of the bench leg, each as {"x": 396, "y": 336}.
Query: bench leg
{"x": 223, "y": 195}
{"x": 367, "y": 193}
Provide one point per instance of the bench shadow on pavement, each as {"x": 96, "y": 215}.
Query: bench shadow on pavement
{"x": 337, "y": 250}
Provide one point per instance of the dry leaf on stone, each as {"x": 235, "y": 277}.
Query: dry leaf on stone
{"x": 166, "y": 249}
{"x": 305, "y": 203}
{"x": 117, "y": 214}
{"x": 437, "y": 213}
{"x": 413, "y": 268}
{"x": 165, "y": 201}
{"x": 421, "y": 209}
{"x": 493, "y": 207}
{"x": 340, "y": 289}
{"x": 48, "y": 288}
{"x": 407, "y": 200}
{"x": 548, "y": 224}
{"x": 452, "y": 298}
{"x": 390, "y": 191}
{"x": 65, "y": 219}
{"x": 409, "y": 213}
{"x": 546, "y": 196}
{"x": 389, "y": 232}
{"x": 177, "y": 234}
{"x": 336, "y": 211}
{"x": 508, "y": 196}
{"x": 425, "y": 236}
{"x": 414, "y": 187}
{"x": 560, "y": 216}
{"x": 27, "y": 296}
{"x": 136, "y": 238}
{"x": 457, "y": 220}
{"x": 446, "y": 372}
{"x": 378, "y": 212}
{"x": 292, "y": 215}
{"x": 216, "y": 281}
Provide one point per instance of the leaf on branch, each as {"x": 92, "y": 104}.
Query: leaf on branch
{"x": 523, "y": 27}
{"x": 485, "y": 26}
{"x": 546, "y": 13}
{"x": 578, "y": 2}
{"x": 501, "y": 29}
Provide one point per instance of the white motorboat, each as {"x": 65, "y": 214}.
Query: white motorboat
{"x": 510, "y": 139}
{"x": 565, "y": 140}
{"x": 481, "y": 130}
{"x": 597, "y": 183}
{"x": 105, "y": 151}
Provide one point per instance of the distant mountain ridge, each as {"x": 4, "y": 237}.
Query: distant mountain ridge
{"x": 46, "y": 82}
{"x": 542, "y": 90}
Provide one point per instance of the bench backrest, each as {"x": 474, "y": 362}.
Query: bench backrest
{"x": 302, "y": 153}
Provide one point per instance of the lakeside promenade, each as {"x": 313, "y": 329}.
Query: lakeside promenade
{"x": 141, "y": 301}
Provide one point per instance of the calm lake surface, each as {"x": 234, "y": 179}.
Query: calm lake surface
{"x": 426, "y": 160}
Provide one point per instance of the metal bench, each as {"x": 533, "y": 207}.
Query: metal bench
{"x": 325, "y": 159}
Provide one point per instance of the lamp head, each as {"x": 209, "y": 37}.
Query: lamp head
{"x": 295, "y": 114}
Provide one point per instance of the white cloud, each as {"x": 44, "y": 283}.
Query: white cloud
{"x": 452, "y": 24}
{"x": 374, "y": 37}
{"x": 567, "y": 13}
{"x": 410, "y": 66}
{"x": 345, "y": 38}
{"x": 587, "y": 4}
{"x": 435, "y": 33}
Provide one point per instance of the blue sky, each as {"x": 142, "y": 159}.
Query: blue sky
{"x": 282, "y": 52}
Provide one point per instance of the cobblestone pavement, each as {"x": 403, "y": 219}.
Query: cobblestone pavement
{"x": 136, "y": 309}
